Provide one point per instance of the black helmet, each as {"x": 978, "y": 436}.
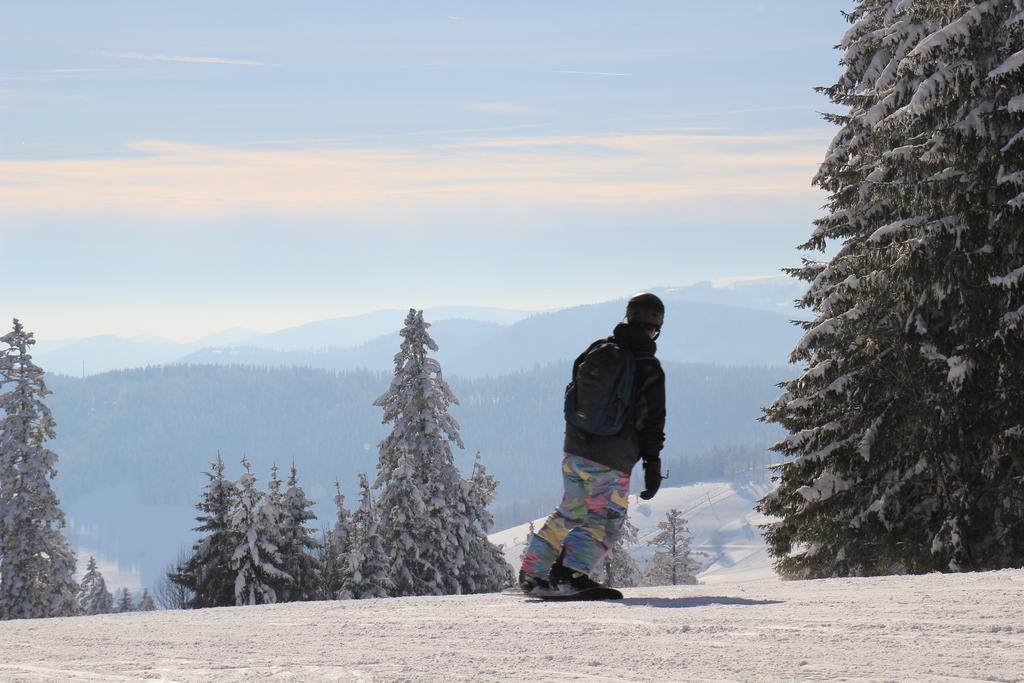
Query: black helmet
{"x": 645, "y": 308}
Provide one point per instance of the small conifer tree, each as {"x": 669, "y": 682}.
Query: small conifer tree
{"x": 485, "y": 570}
{"x": 672, "y": 563}
{"x": 93, "y": 596}
{"x": 273, "y": 514}
{"x": 146, "y": 603}
{"x": 297, "y": 544}
{"x": 422, "y": 505}
{"x": 367, "y": 561}
{"x": 255, "y": 561}
{"x": 206, "y": 577}
{"x": 124, "y": 602}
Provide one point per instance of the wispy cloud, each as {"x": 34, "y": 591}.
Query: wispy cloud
{"x": 190, "y": 59}
{"x": 83, "y": 71}
{"x": 593, "y": 73}
{"x": 641, "y": 170}
{"x": 509, "y": 109}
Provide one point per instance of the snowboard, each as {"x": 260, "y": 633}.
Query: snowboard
{"x": 602, "y": 593}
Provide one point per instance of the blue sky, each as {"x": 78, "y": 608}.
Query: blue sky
{"x": 175, "y": 169}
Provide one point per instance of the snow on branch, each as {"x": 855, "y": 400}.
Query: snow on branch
{"x": 1013, "y": 63}
{"x": 931, "y": 88}
{"x": 895, "y": 227}
{"x": 959, "y": 29}
{"x": 799, "y": 439}
{"x": 1013, "y": 319}
{"x": 824, "y": 487}
{"x": 1010, "y": 280}
{"x": 823, "y": 453}
{"x": 868, "y": 440}
{"x": 830, "y": 326}
{"x": 959, "y": 368}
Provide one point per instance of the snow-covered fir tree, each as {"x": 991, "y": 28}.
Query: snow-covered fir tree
{"x": 905, "y": 429}
{"x": 333, "y": 576}
{"x": 208, "y": 573}
{"x": 124, "y": 602}
{"x": 297, "y": 543}
{"x": 93, "y": 596}
{"x": 619, "y": 568}
{"x": 328, "y": 567}
{"x": 485, "y": 569}
{"x": 672, "y": 562}
{"x": 367, "y": 562}
{"x": 255, "y": 561}
{"x": 273, "y": 514}
{"x": 146, "y": 603}
{"x": 36, "y": 564}
{"x": 421, "y": 503}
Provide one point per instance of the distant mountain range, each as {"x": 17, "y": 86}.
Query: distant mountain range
{"x": 746, "y": 322}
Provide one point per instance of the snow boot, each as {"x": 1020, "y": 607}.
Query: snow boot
{"x": 569, "y": 584}
{"x": 528, "y": 584}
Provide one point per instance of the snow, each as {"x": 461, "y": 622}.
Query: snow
{"x": 936, "y": 627}
{"x": 897, "y": 226}
{"x": 960, "y": 29}
{"x": 1009, "y": 280}
{"x": 1013, "y": 63}
{"x": 959, "y": 368}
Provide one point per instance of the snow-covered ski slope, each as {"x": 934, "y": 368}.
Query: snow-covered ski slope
{"x": 932, "y": 628}
{"x": 720, "y": 515}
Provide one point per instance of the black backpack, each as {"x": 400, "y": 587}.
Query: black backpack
{"x": 598, "y": 398}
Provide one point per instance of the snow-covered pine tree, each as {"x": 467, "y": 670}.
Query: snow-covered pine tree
{"x": 36, "y": 564}
{"x": 422, "y": 506}
{"x": 146, "y": 603}
{"x": 366, "y": 559}
{"x": 335, "y": 576}
{"x": 297, "y": 544}
{"x": 124, "y": 602}
{"x": 255, "y": 561}
{"x": 273, "y": 515}
{"x": 619, "y": 569}
{"x": 672, "y": 562}
{"x": 207, "y": 573}
{"x": 328, "y": 567}
{"x": 485, "y": 570}
{"x": 93, "y": 596}
{"x": 902, "y": 428}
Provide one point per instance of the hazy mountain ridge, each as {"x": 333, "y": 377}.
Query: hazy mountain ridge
{"x": 707, "y": 323}
{"x": 696, "y": 332}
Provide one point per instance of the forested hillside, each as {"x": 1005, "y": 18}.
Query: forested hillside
{"x": 157, "y": 428}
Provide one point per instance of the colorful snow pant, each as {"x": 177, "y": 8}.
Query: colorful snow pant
{"x": 587, "y": 522}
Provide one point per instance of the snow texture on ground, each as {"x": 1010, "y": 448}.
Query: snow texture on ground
{"x": 934, "y": 627}
{"x": 720, "y": 515}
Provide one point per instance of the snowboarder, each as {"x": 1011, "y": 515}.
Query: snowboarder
{"x": 615, "y": 416}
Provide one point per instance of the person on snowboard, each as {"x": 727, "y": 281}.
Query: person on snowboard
{"x": 615, "y": 416}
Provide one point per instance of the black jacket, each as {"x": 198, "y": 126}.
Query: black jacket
{"x": 644, "y": 433}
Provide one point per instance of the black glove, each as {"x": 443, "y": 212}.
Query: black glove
{"x": 652, "y": 478}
